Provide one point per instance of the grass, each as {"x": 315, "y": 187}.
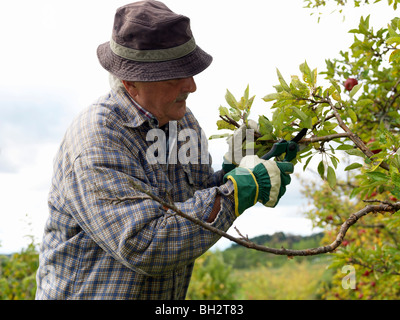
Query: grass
{"x": 292, "y": 281}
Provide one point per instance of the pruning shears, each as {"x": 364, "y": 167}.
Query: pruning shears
{"x": 290, "y": 147}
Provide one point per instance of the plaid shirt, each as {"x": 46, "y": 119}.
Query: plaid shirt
{"x": 135, "y": 249}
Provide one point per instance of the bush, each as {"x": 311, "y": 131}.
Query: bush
{"x": 212, "y": 279}
{"x": 18, "y": 274}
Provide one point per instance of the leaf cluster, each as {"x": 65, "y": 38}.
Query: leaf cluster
{"x": 312, "y": 4}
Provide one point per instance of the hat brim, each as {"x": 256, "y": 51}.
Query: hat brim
{"x": 185, "y": 67}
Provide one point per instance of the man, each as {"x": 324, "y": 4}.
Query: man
{"x": 135, "y": 248}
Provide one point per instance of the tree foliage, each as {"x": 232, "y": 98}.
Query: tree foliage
{"x": 18, "y": 274}
{"x": 352, "y": 145}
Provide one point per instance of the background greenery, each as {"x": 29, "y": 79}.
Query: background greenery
{"x": 370, "y": 111}
{"x": 235, "y": 273}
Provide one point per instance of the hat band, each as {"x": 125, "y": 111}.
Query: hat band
{"x": 153, "y": 55}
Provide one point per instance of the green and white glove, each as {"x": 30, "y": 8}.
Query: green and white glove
{"x": 257, "y": 180}
{"x": 236, "y": 153}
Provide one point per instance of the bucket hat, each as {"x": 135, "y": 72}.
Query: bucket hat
{"x": 151, "y": 43}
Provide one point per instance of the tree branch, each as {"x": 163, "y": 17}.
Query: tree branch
{"x": 352, "y": 136}
{"x": 245, "y": 242}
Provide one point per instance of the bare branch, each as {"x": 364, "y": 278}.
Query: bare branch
{"x": 245, "y": 242}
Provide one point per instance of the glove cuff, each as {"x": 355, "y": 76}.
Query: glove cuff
{"x": 246, "y": 188}
{"x": 227, "y": 164}
{"x": 268, "y": 175}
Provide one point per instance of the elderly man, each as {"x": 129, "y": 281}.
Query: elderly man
{"x": 135, "y": 248}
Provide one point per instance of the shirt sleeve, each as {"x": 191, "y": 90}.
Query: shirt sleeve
{"x": 138, "y": 231}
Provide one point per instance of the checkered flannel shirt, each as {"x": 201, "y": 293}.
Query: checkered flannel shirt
{"x": 93, "y": 248}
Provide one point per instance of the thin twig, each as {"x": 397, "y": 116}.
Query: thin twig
{"x": 245, "y": 238}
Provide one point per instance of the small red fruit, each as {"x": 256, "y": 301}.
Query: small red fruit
{"x": 370, "y": 142}
{"x": 392, "y": 198}
{"x": 350, "y": 83}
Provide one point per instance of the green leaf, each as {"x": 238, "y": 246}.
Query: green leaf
{"x": 331, "y": 177}
{"x": 306, "y": 164}
{"x": 266, "y": 127}
{"x": 345, "y": 147}
{"x": 336, "y": 96}
{"x": 378, "y": 176}
{"x": 282, "y": 81}
{"x": 246, "y": 93}
{"x": 352, "y": 114}
{"x": 395, "y": 56}
{"x": 330, "y": 125}
{"x": 354, "y": 192}
{"x": 355, "y": 90}
{"x": 305, "y": 119}
{"x": 321, "y": 169}
{"x": 356, "y": 152}
{"x": 230, "y": 99}
{"x": 219, "y": 136}
{"x": 223, "y": 111}
{"x": 271, "y": 97}
{"x": 396, "y": 179}
{"x": 305, "y": 70}
{"x": 250, "y": 145}
{"x": 335, "y": 85}
{"x": 267, "y": 136}
{"x": 353, "y": 166}
{"x": 221, "y": 124}
{"x": 314, "y": 75}
{"x": 393, "y": 40}
{"x": 300, "y": 114}
{"x": 364, "y": 102}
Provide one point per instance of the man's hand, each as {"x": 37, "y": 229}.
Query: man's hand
{"x": 257, "y": 180}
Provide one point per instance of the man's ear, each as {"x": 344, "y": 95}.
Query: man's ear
{"x": 130, "y": 86}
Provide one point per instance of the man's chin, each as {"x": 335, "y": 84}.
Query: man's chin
{"x": 181, "y": 111}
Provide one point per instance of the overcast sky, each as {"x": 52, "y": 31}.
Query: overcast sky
{"x": 49, "y": 72}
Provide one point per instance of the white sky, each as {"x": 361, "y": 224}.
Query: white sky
{"x": 49, "y": 72}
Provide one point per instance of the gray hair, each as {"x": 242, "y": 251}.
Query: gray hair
{"x": 115, "y": 83}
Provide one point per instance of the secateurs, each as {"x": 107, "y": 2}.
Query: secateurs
{"x": 283, "y": 146}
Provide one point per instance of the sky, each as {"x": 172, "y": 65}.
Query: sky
{"x": 50, "y": 72}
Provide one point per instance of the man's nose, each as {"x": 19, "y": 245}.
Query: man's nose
{"x": 189, "y": 85}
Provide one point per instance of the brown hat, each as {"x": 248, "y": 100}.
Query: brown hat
{"x": 151, "y": 43}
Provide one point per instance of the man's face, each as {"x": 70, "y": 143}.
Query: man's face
{"x": 166, "y": 100}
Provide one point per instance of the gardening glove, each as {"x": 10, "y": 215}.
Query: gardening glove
{"x": 257, "y": 180}
{"x": 235, "y": 142}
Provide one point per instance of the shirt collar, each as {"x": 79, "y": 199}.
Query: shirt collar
{"x": 136, "y": 115}
{"x": 147, "y": 114}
